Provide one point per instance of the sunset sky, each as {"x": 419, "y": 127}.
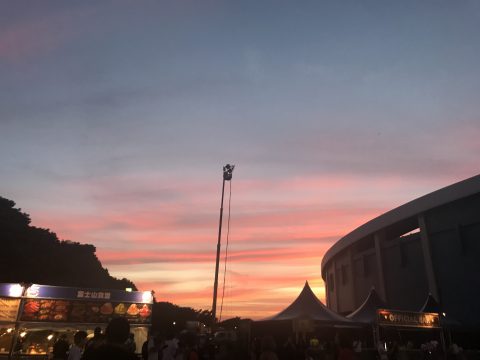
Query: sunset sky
{"x": 116, "y": 118}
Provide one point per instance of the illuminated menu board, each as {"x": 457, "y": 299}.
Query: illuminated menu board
{"x": 44, "y": 303}
{"x": 9, "y": 301}
{"x": 51, "y": 310}
{"x": 9, "y": 309}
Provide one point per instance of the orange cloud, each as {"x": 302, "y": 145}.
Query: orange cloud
{"x": 251, "y": 255}
{"x": 165, "y": 239}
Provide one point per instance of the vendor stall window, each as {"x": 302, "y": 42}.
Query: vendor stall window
{"x": 35, "y": 341}
{"x": 6, "y": 336}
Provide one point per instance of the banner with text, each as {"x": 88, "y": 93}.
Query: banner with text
{"x": 407, "y": 318}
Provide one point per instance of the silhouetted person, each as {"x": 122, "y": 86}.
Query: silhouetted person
{"x": 393, "y": 351}
{"x": 151, "y": 348}
{"x": 289, "y": 349}
{"x": 170, "y": 348}
{"x": 268, "y": 349}
{"x": 130, "y": 343}
{"x": 187, "y": 346}
{"x": 357, "y": 347}
{"x": 313, "y": 351}
{"x": 345, "y": 351}
{"x": 97, "y": 339}
{"x": 329, "y": 350}
{"x": 382, "y": 351}
{"x": 114, "y": 347}
{"x": 76, "y": 350}
{"x": 255, "y": 349}
{"x": 60, "y": 348}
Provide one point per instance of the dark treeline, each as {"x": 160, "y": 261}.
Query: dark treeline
{"x": 34, "y": 255}
{"x": 171, "y": 318}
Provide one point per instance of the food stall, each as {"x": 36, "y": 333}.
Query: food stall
{"x": 404, "y": 327}
{"x": 408, "y": 329}
{"x": 9, "y": 305}
{"x": 44, "y": 313}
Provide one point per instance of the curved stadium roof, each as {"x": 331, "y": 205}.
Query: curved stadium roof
{"x": 405, "y": 213}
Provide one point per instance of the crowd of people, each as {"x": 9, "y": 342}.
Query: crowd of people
{"x": 348, "y": 349}
{"x": 159, "y": 347}
{"x": 313, "y": 349}
{"x": 116, "y": 343}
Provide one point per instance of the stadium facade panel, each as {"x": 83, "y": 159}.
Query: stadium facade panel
{"x": 428, "y": 245}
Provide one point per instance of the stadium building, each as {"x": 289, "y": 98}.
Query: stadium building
{"x": 429, "y": 245}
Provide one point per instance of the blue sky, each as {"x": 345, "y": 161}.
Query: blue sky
{"x": 117, "y": 116}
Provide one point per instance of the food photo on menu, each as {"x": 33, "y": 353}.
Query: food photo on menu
{"x": 87, "y": 312}
{"x": 46, "y": 310}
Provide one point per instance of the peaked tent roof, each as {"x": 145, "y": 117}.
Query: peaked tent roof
{"x": 308, "y": 305}
{"x": 367, "y": 312}
{"x": 431, "y": 305}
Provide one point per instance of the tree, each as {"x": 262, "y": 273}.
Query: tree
{"x": 35, "y": 255}
{"x": 171, "y": 318}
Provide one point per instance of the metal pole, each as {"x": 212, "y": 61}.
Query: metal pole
{"x": 227, "y": 176}
{"x": 215, "y": 285}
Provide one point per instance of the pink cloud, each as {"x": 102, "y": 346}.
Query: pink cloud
{"x": 37, "y": 36}
{"x": 276, "y": 243}
{"x": 256, "y": 301}
{"x": 251, "y": 255}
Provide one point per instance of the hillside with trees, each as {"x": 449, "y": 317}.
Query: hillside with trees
{"x": 35, "y": 255}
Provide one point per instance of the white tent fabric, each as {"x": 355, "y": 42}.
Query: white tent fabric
{"x": 307, "y": 305}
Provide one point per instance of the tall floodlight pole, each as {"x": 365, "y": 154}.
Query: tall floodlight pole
{"x": 227, "y": 176}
